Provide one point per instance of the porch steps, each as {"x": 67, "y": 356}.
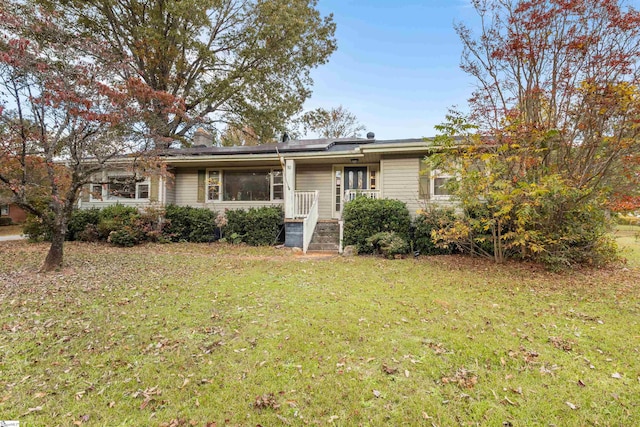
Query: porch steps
{"x": 326, "y": 237}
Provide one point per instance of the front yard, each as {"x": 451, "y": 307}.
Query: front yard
{"x": 190, "y": 334}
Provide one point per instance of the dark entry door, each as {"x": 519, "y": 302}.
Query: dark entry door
{"x": 355, "y": 178}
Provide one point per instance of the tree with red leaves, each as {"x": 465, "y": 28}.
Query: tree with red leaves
{"x": 557, "y": 109}
{"x": 63, "y": 116}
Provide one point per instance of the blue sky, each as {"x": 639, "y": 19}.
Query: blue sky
{"x": 397, "y": 64}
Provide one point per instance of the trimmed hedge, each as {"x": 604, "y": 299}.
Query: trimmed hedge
{"x": 364, "y": 217}
{"x": 5, "y": 220}
{"x": 185, "y": 223}
{"x": 79, "y": 221}
{"x": 256, "y": 226}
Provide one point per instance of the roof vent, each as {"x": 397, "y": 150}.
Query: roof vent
{"x": 371, "y": 135}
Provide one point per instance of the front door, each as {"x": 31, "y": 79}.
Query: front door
{"x": 348, "y": 178}
{"x": 355, "y": 178}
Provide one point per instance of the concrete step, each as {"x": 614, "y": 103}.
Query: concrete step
{"x": 325, "y": 239}
{"x": 332, "y": 247}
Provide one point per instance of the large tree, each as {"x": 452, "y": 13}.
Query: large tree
{"x": 557, "y": 107}
{"x": 63, "y": 116}
{"x": 233, "y": 62}
{"x": 337, "y": 122}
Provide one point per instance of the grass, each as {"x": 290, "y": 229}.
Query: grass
{"x": 628, "y": 238}
{"x": 8, "y": 230}
{"x": 219, "y": 335}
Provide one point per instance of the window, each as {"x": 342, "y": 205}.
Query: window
{"x": 245, "y": 185}
{"x": 120, "y": 188}
{"x": 433, "y": 184}
{"x": 96, "y": 192}
{"x": 4, "y": 210}
{"x": 213, "y": 185}
{"x": 277, "y": 185}
{"x": 439, "y": 185}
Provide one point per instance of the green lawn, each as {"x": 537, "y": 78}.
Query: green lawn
{"x": 194, "y": 334}
{"x": 628, "y": 238}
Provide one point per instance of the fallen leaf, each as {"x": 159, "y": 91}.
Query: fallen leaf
{"x": 571, "y": 405}
{"x": 406, "y": 373}
{"x": 581, "y": 383}
{"x": 616, "y": 375}
{"x": 376, "y": 393}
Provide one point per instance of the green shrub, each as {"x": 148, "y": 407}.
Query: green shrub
{"x": 114, "y": 218}
{"x": 256, "y": 226}
{"x": 388, "y": 244}
{"x": 364, "y": 217}
{"x": 79, "y": 221}
{"x": 427, "y": 221}
{"x": 36, "y": 229}
{"x": 5, "y": 220}
{"x": 185, "y": 223}
{"x": 89, "y": 234}
{"x": 126, "y": 236}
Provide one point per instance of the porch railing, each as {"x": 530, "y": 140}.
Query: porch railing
{"x": 350, "y": 195}
{"x": 310, "y": 221}
{"x": 302, "y": 202}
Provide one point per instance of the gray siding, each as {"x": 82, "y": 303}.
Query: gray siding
{"x": 186, "y": 194}
{"x": 317, "y": 177}
{"x": 400, "y": 181}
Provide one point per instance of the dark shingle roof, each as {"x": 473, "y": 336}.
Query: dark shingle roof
{"x": 293, "y": 146}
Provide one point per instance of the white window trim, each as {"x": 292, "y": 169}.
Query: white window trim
{"x": 105, "y": 192}
{"x": 436, "y": 173}
{"x": 207, "y": 185}
{"x": 269, "y": 171}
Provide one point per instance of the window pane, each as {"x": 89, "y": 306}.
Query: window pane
{"x": 213, "y": 185}
{"x": 278, "y": 187}
{"x": 122, "y": 188}
{"x": 96, "y": 192}
{"x": 143, "y": 191}
{"x": 440, "y": 186}
{"x": 4, "y": 210}
{"x": 247, "y": 186}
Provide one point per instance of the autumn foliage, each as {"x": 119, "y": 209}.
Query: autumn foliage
{"x": 63, "y": 115}
{"x": 553, "y": 134}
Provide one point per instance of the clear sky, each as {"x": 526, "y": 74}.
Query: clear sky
{"x": 397, "y": 64}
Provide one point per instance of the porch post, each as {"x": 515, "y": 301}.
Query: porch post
{"x": 289, "y": 188}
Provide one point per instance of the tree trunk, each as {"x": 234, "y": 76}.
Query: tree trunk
{"x": 55, "y": 255}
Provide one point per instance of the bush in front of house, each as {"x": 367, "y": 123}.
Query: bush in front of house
{"x": 189, "y": 224}
{"x": 427, "y": 221}
{"x": 80, "y": 220}
{"x": 388, "y": 243}
{"x": 114, "y": 218}
{"x": 364, "y": 217}
{"x": 255, "y": 226}
{"x": 5, "y": 220}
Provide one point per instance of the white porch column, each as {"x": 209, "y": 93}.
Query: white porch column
{"x": 289, "y": 188}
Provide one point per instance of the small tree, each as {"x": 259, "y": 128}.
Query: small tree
{"x": 63, "y": 116}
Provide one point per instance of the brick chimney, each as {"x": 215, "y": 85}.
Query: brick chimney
{"x": 202, "y": 138}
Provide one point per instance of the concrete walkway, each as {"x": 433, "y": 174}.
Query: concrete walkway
{"x": 12, "y": 237}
